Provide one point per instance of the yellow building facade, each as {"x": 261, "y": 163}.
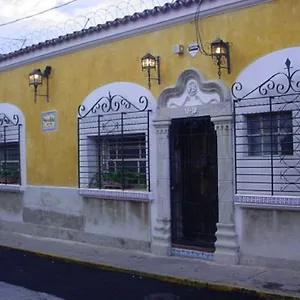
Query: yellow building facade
{"x": 92, "y": 60}
{"x": 76, "y": 74}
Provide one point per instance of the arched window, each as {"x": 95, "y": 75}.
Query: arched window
{"x": 114, "y": 138}
{"x": 12, "y": 148}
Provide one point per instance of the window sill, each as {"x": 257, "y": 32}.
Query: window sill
{"x": 139, "y": 196}
{"x": 11, "y": 188}
{"x": 267, "y": 202}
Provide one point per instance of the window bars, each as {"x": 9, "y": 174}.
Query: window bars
{"x": 267, "y": 135}
{"x": 10, "y": 166}
{"x": 113, "y": 144}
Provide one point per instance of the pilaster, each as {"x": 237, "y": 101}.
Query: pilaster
{"x": 161, "y": 236}
{"x": 226, "y": 244}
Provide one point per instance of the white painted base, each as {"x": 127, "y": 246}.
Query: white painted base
{"x": 226, "y": 245}
{"x": 161, "y": 238}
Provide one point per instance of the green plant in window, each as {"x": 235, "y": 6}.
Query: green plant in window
{"x": 9, "y": 175}
{"x": 114, "y": 179}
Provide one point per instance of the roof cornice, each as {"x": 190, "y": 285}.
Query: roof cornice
{"x": 139, "y": 23}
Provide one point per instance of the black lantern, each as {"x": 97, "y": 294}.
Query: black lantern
{"x": 149, "y": 63}
{"x": 221, "y": 55}
{"x": 36, "y": 79}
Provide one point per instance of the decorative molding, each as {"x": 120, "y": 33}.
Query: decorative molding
{"x": 192, "y": 253}
{"x": 162, "y": 131}
{"x": 161, "y": 237}
{"x": 162, "y": 229}
{"x": 134, "y": 28}
{"x": 223, "y": 124}
{"x": 188, "y": 82}
{"x": 267, "y": 201}
{"x": 223, "y": 127}
{"x": 116, "y": 194}
{"x": 162, "y": 127}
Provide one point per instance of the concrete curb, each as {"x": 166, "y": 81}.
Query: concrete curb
{"x": 268, "y": 295}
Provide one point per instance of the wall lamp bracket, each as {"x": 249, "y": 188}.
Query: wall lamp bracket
{"x": 220, "y": 53}
{"x": 36, "y": 78}
{"x": 151, "y": 63}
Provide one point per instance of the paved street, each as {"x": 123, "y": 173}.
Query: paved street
{"x": 71, "y": 280}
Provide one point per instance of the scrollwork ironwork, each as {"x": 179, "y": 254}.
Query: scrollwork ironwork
{"x": 113, "y": 103}
{"x": 288, "y": 84}
{"x": 5, "y": 120}
{"x": 276, "y": 99}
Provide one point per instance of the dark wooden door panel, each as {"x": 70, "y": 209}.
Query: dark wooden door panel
{"x": 194, "y": 186}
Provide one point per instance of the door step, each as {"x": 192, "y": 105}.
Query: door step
{"x": 192, "y": 253}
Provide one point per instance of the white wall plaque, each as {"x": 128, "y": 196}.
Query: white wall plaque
{"x": 49, "y": 120}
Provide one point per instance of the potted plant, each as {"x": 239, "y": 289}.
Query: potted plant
{"x": 114, "y": 179}
{"x": 9, "y": 176}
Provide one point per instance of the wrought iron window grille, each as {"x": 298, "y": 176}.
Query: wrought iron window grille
{"x": 10, "y": 160}
{"x": 267, "y": 135}
{"x": 260, "y": 134}
{"x": 113, "y": 144}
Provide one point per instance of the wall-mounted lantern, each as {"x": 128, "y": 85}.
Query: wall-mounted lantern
{"x": 151, "y": 63}
{"x": 36, "y": 78}
{"x": 219, "y": 51}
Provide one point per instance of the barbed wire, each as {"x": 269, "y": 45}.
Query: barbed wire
{"x": 79, "y": 22}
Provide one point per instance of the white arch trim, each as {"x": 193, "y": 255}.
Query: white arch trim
{"x": 264, "y": 67}
{"x": 130, "y": 91}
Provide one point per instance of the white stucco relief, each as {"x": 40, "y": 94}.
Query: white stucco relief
{"x": 193, "y": 96}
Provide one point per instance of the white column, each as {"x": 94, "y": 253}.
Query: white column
{"x": 161, "y": 236}
{"x": 226, "y": 244}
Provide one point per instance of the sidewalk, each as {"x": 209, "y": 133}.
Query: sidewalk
{"x": 174, "y": 269}
{"x": 9, "y": 291}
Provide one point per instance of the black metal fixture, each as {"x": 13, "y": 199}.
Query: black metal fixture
{"x": 149, "y": 63}
{"x": 36, "y": 79}
{"x": 220, "y": 53}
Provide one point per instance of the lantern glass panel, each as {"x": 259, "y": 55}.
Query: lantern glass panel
{"x": 218, "y": 47}
{"x": 35, "y": 78}
{"x": 148, "y": 62}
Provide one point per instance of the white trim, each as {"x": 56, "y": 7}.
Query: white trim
{"x": 116, "y": 194}
{"x": 12, "y": 188}
{"x": 174, "y": 17}
{"x": 53, "y": 187}
{"x": 269, "y": 207}
{"x": 267, "y": 202}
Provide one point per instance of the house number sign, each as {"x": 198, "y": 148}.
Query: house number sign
{"x": 49, "y": 120}
{"x": 190, "y": 111}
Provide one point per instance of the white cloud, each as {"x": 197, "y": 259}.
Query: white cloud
{"x": 60, "y": 21}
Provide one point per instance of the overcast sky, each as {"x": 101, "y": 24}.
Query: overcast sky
{"x": 71, "y": 17}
